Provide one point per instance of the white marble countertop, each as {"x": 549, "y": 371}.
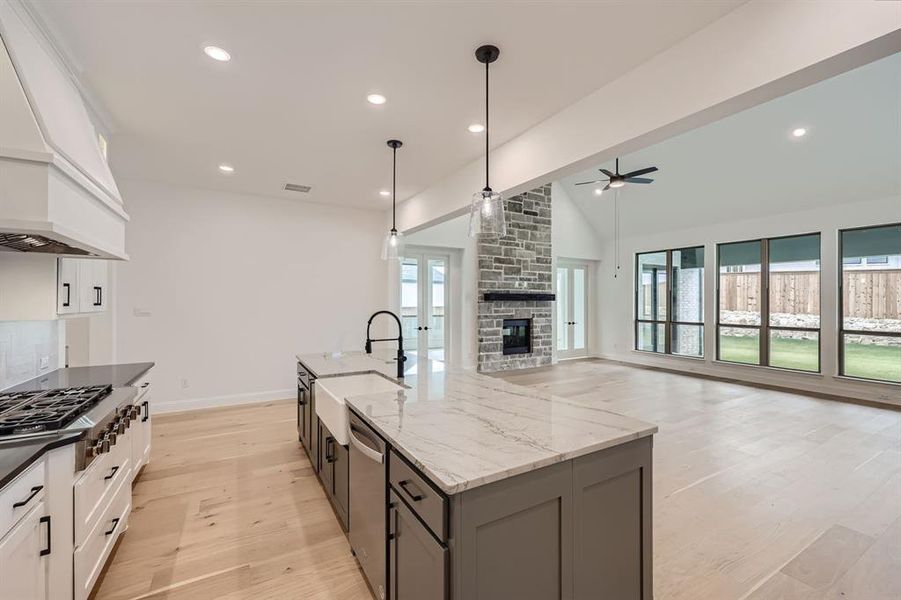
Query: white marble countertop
{"x": 463, "y": 429}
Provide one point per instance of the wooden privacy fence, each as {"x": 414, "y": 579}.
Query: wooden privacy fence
{"x": 867, "y": 294}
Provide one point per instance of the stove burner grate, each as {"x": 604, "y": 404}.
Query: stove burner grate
{"x": 29, "y": 412}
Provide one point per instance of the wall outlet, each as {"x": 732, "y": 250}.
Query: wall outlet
{"x": 45, "y": 362}
{"x": 184, "y": 383}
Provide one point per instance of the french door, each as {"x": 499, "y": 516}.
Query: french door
{"x": 572, "y": 309}
{"x": 424, "y": 297}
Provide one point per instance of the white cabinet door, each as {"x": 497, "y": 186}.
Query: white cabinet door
{"x": 23, "y": 568}
{"x": 67, "y": 298}
{"x": 100, "y": 283}
{"x": 82, "y": 286}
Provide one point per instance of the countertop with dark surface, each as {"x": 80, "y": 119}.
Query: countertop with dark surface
{"x": 18, "y": 455}
{"x": 116, "y": 375}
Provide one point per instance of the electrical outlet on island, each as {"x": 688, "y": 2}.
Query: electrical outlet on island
{"x": 45, "y": 363}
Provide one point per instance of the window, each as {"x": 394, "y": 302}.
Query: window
{"x": 669, "y": 301}
{"x": 769, "y": 302}
{"x": 870, "y": 303}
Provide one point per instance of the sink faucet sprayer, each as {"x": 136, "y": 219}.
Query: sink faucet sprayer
{"x": 400, "y": 340}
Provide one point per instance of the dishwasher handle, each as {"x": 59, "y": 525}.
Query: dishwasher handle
{"x": 363, "y": 448}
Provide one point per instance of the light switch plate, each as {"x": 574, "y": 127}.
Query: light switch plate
{"x": 45, "y": 362}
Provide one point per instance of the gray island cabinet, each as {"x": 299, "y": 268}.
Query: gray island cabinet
{"x": 493, "y": 491}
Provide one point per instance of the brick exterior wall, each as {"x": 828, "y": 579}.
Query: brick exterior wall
{"x": 520, "y": 261}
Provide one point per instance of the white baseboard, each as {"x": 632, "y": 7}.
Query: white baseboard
{"x": 220, "y": 401}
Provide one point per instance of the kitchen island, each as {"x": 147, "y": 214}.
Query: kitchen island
{"x": 487, "y": 489}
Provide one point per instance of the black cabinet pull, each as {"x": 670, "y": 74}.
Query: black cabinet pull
{"x": 46, "y": 519}
{"x": 34, "y": 492}
{"x": 112, "y": 473}
{"x": 403, "y": 486}
{"x": 330, "y": 450}
{"x": 426, "y": 327}
{"x": 146, "y": 406}
{"x": 68, "y": 289}
{"x": 113, "y": 528}
{"x": 98, "y": 295}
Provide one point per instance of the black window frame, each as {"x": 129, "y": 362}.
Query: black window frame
{"x": 764, "y": 329}
{"x": 668, "y": 323}
{"x": 841, "y": 307}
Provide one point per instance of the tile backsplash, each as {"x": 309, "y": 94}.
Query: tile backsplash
{"x": 22, "y": 346}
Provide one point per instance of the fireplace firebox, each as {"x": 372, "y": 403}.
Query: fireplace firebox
{"x": 517, "y": 336}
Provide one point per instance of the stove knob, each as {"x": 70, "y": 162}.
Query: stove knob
{"x": 110, "y": 438}
{"x": 100, "y": 447}
{"x": 122, "y": 426}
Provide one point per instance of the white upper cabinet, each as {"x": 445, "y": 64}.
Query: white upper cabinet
{"x": 82, "y": 286}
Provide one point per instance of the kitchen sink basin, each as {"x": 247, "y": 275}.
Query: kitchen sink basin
{"x": 330, "y": 395}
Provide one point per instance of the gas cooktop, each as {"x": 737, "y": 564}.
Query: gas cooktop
{"x": 49, "y": 410}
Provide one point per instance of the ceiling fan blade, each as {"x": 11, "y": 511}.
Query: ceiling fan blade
{"x": 606, "y": 172}
{"x": 640, "y": 172}
{"x": 589, "y": 182}
{"x": 606, "y": 187}
{"x": 639, "y": 180}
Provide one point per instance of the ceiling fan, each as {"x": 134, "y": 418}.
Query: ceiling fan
{"x": 617, "y": 180}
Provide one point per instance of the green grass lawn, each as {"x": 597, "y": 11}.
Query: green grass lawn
{"x": 861, "y": 360}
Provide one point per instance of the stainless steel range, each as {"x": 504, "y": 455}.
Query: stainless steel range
{"x": 99, "y": 413}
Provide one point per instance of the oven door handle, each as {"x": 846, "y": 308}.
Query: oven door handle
{"x": 365, "y": 450}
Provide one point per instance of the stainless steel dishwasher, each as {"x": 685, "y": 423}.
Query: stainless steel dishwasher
{"x": 368, "y": 503}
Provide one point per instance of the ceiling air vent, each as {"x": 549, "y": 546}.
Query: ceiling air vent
{"x": 294, "y": 187}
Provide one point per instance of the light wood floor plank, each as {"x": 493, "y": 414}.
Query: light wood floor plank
{"x": 759, "y": 495}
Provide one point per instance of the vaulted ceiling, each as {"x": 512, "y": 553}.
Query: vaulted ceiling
{"x": 749, "y": 165}
{"x": 291, "y": 104}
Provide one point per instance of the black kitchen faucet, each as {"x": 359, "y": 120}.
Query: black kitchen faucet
{"x": 401, "y": 358}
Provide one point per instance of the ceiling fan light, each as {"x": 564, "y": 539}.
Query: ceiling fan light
{"x": 617, "y": 183}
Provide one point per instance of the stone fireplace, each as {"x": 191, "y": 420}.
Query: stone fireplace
{"x": 516, "y": 299}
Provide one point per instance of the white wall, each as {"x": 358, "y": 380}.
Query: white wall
{"x": 222, "y": 290}
{"x": 574, "y": 237}
{"x": 615, "y": 329}
{"x": 454, "y": 234}
{"x": 572, "y": 232}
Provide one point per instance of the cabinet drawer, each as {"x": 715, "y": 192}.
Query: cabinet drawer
{"x": 21, "y": 495}
{"x": 92, "y": 554}
{"x": 94, "y": 489}
{"x": 428, "y": 503}
{"x": 303, "y": 375}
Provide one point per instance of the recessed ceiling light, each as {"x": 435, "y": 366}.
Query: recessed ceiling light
{"x": 598, "y": 191}
{"x": 799, "y": 132}
{"x": 217, "y": 53}
{"x": 376, "y": 99}
{"x": 476, "y": 128}
{"x": 384, "y": 193}
{"x": 226, "y": 168}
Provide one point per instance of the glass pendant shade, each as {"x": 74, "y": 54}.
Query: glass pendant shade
{"x": 393, "y": 246}
{"x": 486, "y": 214}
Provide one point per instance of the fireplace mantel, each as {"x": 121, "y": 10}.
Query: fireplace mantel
{"x": 519, "y": 297}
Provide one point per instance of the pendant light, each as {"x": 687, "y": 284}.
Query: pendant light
{"x": 486, "y": 214}
{"x": 393, "y": 246}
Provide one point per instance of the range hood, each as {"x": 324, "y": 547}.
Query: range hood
{"x": 57, "y": 194}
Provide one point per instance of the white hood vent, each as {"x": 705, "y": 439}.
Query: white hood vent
{"x": 57, "y": 193}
